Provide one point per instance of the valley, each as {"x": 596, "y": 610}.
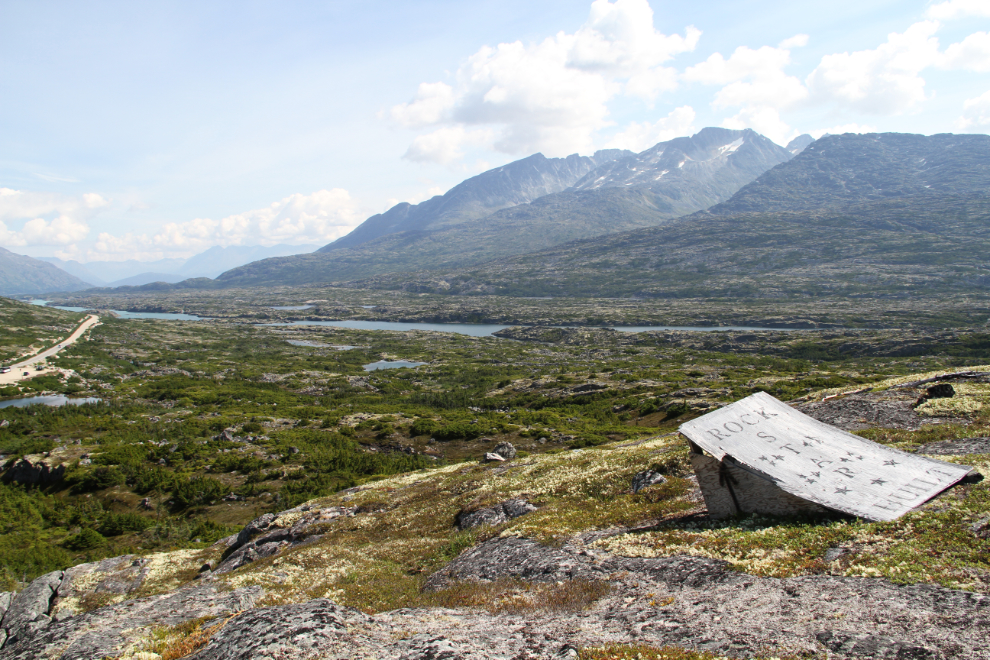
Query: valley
{"x": 453, "y": 433}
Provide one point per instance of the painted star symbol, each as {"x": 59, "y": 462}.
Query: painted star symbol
{"x": 764, "y": 458}
{"x": 891, "y": 462}
{"x": 878, "y": 482}
{"x": 845, "y": 460}
{"x": 816, "y": 474}
{"x": 779, "y": 458}
{"x": 841, "y": 491}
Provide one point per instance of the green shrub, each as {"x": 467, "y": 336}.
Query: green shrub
{"x": 198, "y": 490}
{"x": 87, "y": 539}
{"x": 103, "y": 477}
{"x": 115, "y": 524}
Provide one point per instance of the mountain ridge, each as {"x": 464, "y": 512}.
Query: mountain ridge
{"x": 23, "y": 275}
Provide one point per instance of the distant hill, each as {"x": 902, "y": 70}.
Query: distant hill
{"x": 671, "y": 179}
{"x": 857, "y": 215}
{"x": 22, "y": 275}
{"x": 210, "y": 263}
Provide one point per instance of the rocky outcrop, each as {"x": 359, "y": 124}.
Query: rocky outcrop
{"x": 956, "y": 447}
{"x": 317, "y": 628}
{"x": 34, "y": 471}
{"x": 647, "y": 478}
{"x": 272, "y": 533}
{"x": 494, "y": 515}
{"x": 29, "y": 609}
{"x": 108, "y": 631}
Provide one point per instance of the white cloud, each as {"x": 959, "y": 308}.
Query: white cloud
{"x": 843, "y": 128}
{"x": 764, "y": 120}
{"x": 881, "y": 81}
{"x": 320, "y": 217}
{"x": 20, "y": 204}
{"x": 50, "y": 218}
{"x": 797, "y": 41}
{"x": 550, "y": 96}
{"x": 754, "y": 81}
{"x": 445, "y": 144}
{"x": 946, "y": 11}
{"x": 976, "y": 114}
{"x": 432, "y": 103}
{"x": 639, "y": 136}
{"x": 972, "y": 54}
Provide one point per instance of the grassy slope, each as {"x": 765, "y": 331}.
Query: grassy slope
{"x": 924, "y": 246}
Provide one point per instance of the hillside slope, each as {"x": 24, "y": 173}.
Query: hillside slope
{"x": 20, "y": 275}
{"x": 518, "y": 182}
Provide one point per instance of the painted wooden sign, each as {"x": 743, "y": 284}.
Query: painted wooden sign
{"x": 818, "y": 462}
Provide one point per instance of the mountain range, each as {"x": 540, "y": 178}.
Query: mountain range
{"x": 210, "y": 263}
{"x": 720, "y": 213}
{"x": 870, "y": 215}
{"x": 624, "y": 191}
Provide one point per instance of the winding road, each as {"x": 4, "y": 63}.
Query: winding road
{"x": 16, "y": 373}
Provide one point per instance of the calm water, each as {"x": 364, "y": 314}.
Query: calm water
{"x": 485, "y": 330}
{"x": 293, "y": 308}
{"x": 50, "y": 400}
{"x": 129, "y": 315}
{"x": 473, "y": 329}
{"x": 397, "y": 364}
{"x": 316, "y": 344}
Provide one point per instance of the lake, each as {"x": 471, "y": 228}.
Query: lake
{"x": 293, "y": 308}
{"x": 486, "y": 330}
{"x": 396, "y": 364}
{"x": 48, "y": 400}
{"x": 316, "y": 344}
{"x": 163, "y": 316}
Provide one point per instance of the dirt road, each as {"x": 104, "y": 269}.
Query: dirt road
{"x": 16, "y": 373}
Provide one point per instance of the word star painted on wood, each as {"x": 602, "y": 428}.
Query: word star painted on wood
{"x": 814, "y": 461}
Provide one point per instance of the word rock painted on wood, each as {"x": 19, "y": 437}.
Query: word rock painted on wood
{"x": 818, "y": 462}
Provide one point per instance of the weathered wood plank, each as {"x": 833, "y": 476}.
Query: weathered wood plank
{"x": 818, "y": 462}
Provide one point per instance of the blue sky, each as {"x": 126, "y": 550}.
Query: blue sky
{"x": 150, "y": 130}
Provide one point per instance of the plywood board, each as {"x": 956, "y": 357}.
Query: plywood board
{"x": 818, "y": 462}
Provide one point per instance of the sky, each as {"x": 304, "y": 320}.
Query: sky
{"x": 138, "y": 130}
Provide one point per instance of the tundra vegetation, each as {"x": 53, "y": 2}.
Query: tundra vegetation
{"x": 204, "y": 426}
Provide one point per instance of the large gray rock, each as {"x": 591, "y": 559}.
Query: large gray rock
{"x": 505, "y": 450}
{"x": 29, "y": 609}
{"x": 494, "y": 515}
{"x": 319, "y": 628}
{"x": 108, "y": 631}
{"x": 265, "y": 536}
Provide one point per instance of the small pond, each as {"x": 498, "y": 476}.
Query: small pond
{"x": 48, "y": 400}
{"x": 397, "y": 364}
{"x": 293, "y": 308}
{"x": 316, "y": 344}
